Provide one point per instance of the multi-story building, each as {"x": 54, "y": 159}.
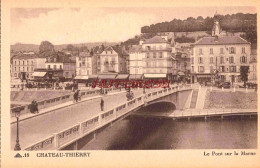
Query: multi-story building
{"x": 219, "y": 56}
{"x": 113, "y": 60}
{"x": 84, "y": 64}
{"x": 61, "y": 65}
{"x": 136, "y": 57}
{"x": 23, "y": 65}
{"x": 96, "y": 65}
{"x": 253, "y": 67}
{"x": 157, "y": 59}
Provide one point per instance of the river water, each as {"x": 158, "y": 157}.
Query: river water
{"x": 134, "y": 133}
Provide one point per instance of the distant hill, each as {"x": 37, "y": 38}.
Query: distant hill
{"x": 236, "y": 22}
{"x": 35, "y": 48}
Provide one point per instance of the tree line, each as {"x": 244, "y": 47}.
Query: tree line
{"x": 231, "y": 23}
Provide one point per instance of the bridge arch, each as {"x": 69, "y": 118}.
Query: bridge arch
{"x": 160, "y": 106}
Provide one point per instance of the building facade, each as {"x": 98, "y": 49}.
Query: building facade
{"x": 136, "y": 57}
{"x": 219, "y": 57}
{"x": 62, "y": 64}
{"x": 157, "y": 58}
{"x": 253, "y": 67}
{"x": 84, "y": 64}
{"x": 113, "y": 60}
{"x": 23, "y": 65}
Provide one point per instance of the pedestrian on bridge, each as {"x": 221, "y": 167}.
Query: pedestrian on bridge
{"x": 76, "y": 96}
{"x": 102, "y": 104}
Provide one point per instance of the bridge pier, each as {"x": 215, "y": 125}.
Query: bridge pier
{"x": 188, "y": 118}
{"x": 205, "y": 118}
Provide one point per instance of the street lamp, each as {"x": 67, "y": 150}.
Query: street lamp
{"x": 17, "y": 115}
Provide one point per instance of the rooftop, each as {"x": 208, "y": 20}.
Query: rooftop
{"x": 155, "y": 39}
{"x": 222, "y": 40}
{"x": 135, "y": 48}
{"x": 25, "y": 56}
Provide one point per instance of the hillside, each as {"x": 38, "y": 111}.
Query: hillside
{"x": 35, "y": 48}
{"x": 235, "y": 22}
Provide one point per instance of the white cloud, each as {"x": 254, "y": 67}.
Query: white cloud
{"x": 86, "y": 25}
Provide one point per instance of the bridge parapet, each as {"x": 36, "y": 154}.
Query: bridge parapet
{"x": 59, "y": 100}
{"x": 71, "y": 134}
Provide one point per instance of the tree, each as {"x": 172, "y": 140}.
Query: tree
{"x": 46, "y": 46}
{"x": 70, "y": 47}
{"x": 244, "y": 74}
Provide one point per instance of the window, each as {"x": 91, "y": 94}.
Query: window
{"x": 211, "y": 60}
{"x": 79, "y": 58}
{"x": 147, "y": 55}
{"x": 243, "y": 59}
{"x": 201, "y": 69}
{"x": 14, "y": 62}
{"x": 231, "y": 60}
{"x": 192, "y": 60}
{"x": 232, "y": 68}
{"x": 111, "y": 52}
{"x": 222, "y": 60}
{"x": 87, "y": 72}
{"x": 14, "y": 68}
{"x": 211, "y": 51}
{"x": 243, "y": 50}
{"x": 23, "y": 62}
{"x": 222, "y": 68}
{"x": 32, "y": 63}
{"x": 200, "y": 51}
{"x": 154, "y": 55}
{"x": 28, "y": 69}
{"x": 232, "y": 50}
{"x": 211, "y": 69}
{"x": 200, "y": 60}
{"x": 79, "y": 64}
{"x": 27, "y": 62}
{"x": 221, "y": 51}
{"x": 160, "y": 54}
{"x": 54, "y": 67}
{"x": 192, "y": 69}
{"x": 136, "y": 71}
{"x": 60, "y": 66}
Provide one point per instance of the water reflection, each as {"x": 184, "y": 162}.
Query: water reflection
{"x": 146, "y": 133}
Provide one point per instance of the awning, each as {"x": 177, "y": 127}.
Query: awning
{"x": 122, "y": 76}
{"x": 81, "y": 77}
{"x": 155, "y": 75}
{"x": 93, "y": 76}
{"x": 181, "y": 73}
{"x": 139, "y": 76}
{"x": 107, "y": 76}
{"x": 39, "y": 74}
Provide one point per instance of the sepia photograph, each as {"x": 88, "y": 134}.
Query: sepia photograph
{"x": 184, "y": 82}
{"x": 92, "y": 84}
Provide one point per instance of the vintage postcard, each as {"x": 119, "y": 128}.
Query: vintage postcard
{"x": 125, "y": 84}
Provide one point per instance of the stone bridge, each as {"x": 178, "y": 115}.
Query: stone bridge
{"x": 180, "y": 98}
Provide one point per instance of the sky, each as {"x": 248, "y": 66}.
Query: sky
{"x": 80, "y": 25}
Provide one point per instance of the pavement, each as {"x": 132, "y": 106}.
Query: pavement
{"x": 36, "y": 127}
